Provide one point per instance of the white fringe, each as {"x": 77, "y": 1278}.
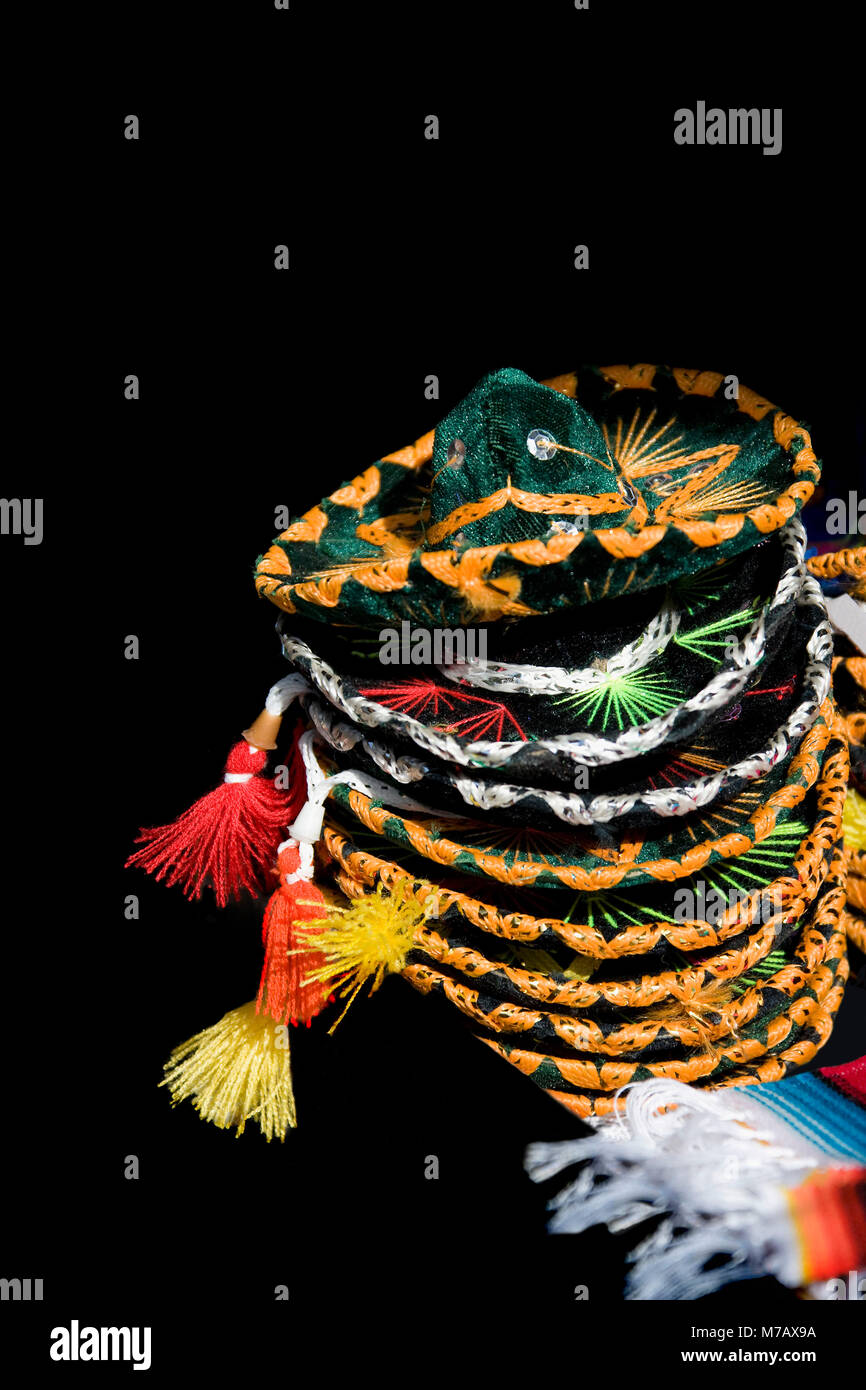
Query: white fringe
{"x": 712, "y": 1164}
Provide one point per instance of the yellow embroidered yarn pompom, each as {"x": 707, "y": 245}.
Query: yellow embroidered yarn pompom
{"x": 367, "y": 940}
{"x": 236, "y": 1071}
{"x": 854, "y": 820}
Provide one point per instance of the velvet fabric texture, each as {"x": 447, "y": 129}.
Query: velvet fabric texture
{"x": 532, "y": 498}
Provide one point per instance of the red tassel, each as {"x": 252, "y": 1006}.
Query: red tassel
{"x": 228, "y": 838}
{"x": 281, "y": 993}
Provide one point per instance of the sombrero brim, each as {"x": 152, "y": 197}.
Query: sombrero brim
{"x": 788, "y": 1037}
{"x": 670, "y": 1032}
{"x": 628, "y": 929}
{"x": 800, "y": 1038}
{"x": 709, "y": 771}
{"x": 581, "y": 859}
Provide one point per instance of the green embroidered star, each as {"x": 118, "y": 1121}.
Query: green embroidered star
{"x": 627, "y": 700}
{"x": 705, "y": 641}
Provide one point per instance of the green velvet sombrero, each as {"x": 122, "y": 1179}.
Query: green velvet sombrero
{"x": 530, "y": 498}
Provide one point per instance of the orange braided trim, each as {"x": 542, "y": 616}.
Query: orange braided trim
{"x": 553, "y": 503}
{"x": 795, "y": 893}
{"x": 856, "y": 667}
{"x": 833, "y": 563}
{"x": 464, "y": 571}
{"x": 855, "y": 861}
{"x": 801, "y": 1051}
{"x": 769, "y": 516}
{"x": 692, "y": 1029}
{"x": 771, "y": 1069}
{"x": 639, "y": 992}
{"x": 693, "y": 382}
{"x": 396, "y": 534}
{"x": 444, "y": 851}
{"x": 855, "y": 928}
{"x": 855, "y": 728}
{"x": 458, "y": 569}
{"x": 360, "y": 490}
{"x": 818, "y": 1014}
{"x": 857, "y": 892}
{"x": 690, "y": 380}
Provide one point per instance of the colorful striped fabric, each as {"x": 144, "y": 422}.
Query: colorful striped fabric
{"x": 740, "y": 1183}
{"x": 827, "y": 1110}
{"x": 818, "y": 1109}
{"x": 851, "y": 1079}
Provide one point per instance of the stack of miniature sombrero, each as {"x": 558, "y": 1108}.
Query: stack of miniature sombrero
{"x": 564, "y": 749}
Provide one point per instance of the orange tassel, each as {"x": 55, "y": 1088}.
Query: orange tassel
{"x": 282, "y": 994}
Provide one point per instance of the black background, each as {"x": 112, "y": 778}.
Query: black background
{"x": 261, "y": 388}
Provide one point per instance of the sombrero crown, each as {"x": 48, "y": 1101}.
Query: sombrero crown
{"x": 530, "y": 497}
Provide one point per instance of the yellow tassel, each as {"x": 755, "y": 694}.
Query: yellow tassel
{"x": 367, "y": 940}
{"x": 580, "y": 968}
{"x": 854, "y": 820}
{"x": 238, "y": 1070}
{"x": 534, "y": 958}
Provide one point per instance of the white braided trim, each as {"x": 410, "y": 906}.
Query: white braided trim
{"x": 281, "y": 695}
{"x": 557, "y": 680}
{"x": 572, "y": 808}
{"x": 345, "y": 737}
{"x": 319, "y": 784}
{"x": 592, "y": 750}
